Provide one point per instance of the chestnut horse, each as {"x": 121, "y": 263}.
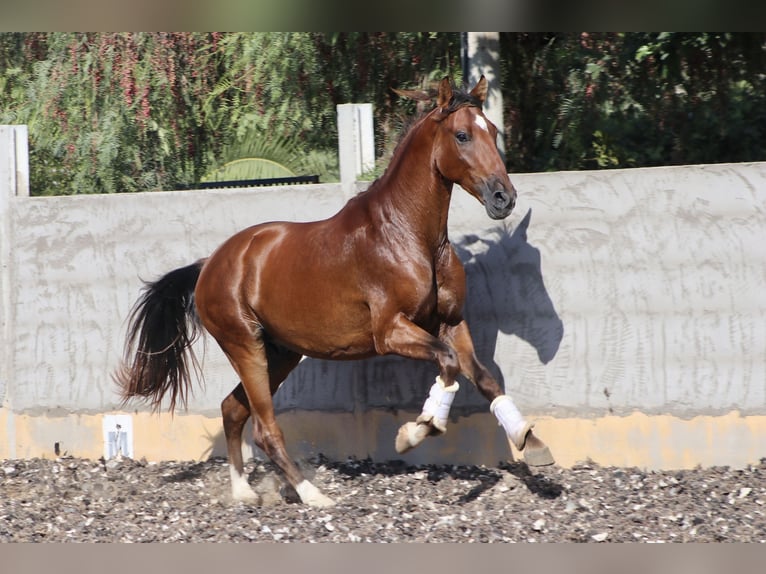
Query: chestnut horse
{"x": 379, "y": 277}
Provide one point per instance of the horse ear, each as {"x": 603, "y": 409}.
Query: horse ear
{"x": 480, "y": 89}
{"x": 445, "y": 93}
{"x": 416, "y": 95}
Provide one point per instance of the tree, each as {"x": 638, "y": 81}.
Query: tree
{"x": 589, "y": 101}
{"x": 114, "y": 112}
{"x": 111, "y": 112}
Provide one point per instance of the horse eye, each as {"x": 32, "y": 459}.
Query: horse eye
{"x": 462, "y": 137}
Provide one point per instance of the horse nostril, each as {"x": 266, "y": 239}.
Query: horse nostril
{"x": 501, "y": 198}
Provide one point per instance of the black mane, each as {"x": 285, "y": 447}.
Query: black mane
{"x": 460, "y": 99}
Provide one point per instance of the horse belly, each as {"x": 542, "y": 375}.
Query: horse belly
{"x": 322, "y": 335}
{"x": 319, "y": 317}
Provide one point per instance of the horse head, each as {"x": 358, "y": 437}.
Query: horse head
{"x": 465, "y": 148}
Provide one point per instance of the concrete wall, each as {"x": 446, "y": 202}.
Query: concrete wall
{"x": 624, "y": 309}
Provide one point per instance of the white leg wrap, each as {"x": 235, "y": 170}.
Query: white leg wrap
{"x": 438, "y": 403}
{"x": 510, "y": 418}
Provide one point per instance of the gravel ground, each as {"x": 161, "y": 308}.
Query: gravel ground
{"x": 73, "y": 499}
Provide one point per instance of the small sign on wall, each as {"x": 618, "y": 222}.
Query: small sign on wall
{"x": 118, "y": 436}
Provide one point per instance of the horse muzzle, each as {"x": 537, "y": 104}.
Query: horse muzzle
{"x": 499, "y": 201}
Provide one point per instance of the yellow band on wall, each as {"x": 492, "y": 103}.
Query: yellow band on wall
{"x": 645, "y": 441}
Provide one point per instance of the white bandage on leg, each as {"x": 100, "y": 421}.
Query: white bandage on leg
{"x": 511, "y": 420}
{"x": 437, "y": 405}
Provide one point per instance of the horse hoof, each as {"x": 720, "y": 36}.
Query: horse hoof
{"x": 519, "y": 438}
{"x": 312, "y": 496}
{"x": 402, "y": 443}
{"x": 536, "y": 452}
{"x": 246, "y": 497}
{"x": 321, "y": 501}
{"x": 241, "y": 490}
{"x": 409, "y": 436}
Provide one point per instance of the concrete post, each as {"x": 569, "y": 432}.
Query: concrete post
{"x": 14, "y": 181}
{"x": 483, "y": 57}
{"x": 356, "y": 144}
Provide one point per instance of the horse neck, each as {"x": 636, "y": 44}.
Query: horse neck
{"x": 412, "y": 193}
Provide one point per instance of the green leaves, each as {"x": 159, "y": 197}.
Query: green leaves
{"x": 115, "y": 112}
{"x": 256, "y": 155}
{"x": 598, "y": 100}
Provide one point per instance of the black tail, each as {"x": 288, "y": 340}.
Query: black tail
{"x": 162, "y": 326}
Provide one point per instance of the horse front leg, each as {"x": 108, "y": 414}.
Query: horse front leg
{"x": 402, "y": 337}
{"x": 432, "y": 420}
{"x": 516, "y": 427}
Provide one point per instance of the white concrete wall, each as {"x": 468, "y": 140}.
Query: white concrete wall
{"x": 356, "y": 143}
{"x": 78, "y": 265}
{"x": 658, "y": 277}
{"x": 14, "y": 182}
{"x": 606, "y": 292}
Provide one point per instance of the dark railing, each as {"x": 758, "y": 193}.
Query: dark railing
{"x": 298, "y": 180}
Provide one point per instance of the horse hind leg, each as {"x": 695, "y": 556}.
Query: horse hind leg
{"x": 235, "y": 411}
{"x": 262, "y": 369}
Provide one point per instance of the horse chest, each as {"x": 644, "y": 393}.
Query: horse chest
{"x": 436, "y": 299}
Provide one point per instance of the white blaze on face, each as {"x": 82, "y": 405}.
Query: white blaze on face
{"x": 482, "y": 123}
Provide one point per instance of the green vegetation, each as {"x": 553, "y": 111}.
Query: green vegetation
{"x": 590, "y": 101}
{"x": 114, "y": 112}
{"x": 120, "y": 112}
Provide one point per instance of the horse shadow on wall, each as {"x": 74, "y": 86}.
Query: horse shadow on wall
{"x": 505, "y": 294}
